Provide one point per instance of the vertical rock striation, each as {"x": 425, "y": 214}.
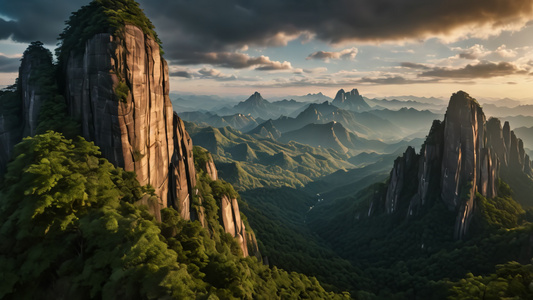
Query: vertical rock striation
{"x": 20, "y": 107}
{"x": 117, "y": 88}
{"x": 462, "y": 156}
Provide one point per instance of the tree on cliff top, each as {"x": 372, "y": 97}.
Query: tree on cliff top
{"x": 101, "y": 16}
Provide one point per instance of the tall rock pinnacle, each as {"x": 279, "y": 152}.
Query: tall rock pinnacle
{"x": 463, "y": 155}
{"x": 117, "y": 87}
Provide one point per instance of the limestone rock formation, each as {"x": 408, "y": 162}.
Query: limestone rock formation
{"x": 117, "y": 88}
{"x": 351, "y": 100}
{"x": 462, "y": 156}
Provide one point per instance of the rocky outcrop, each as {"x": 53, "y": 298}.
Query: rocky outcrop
{"x": 462, "y": 156}
{"x": 229, "y": 215}
{"x": 402, "y": 172}
{"x": 351, "y": 100}
{"x": 232, "y": 223}
{"x": 211, "y": 169}
{"x": 35, "y": 60}
{"x": 20, "y": 106}
{"x": 117, "y": 88}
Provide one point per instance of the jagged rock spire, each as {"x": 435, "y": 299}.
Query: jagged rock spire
{"x": 462, "y": 156}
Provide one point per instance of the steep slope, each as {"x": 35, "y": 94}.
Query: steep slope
{"x": 350, "y": 101}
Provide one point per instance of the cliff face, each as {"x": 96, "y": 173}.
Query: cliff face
{"x": 10, "y": 126}
{"x": 31, "y": 92}
{"x": 19, "y": 108}
{"x": 229, "y": 212}
{"x": 462, "y": 156}
{"x": 467, "y": 163}
{"x": 118, "y": 90}
{"x": 232, "y": 223}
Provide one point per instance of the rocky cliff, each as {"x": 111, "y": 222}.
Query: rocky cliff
{"x": 117, "y": 88}
{"x": 21, "y": 103}
{"x": 229, "y": 214}
{"x": 462, "y": 156}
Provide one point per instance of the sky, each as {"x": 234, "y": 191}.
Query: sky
{"x": 426, "y": 48}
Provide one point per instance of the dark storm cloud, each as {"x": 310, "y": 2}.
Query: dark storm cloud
{"x": 481, "y": 70}
{"x": 187, "y": 26}
{"x": 204, "y": 73}
{"x": 8, "y": 64}
{"x": 185, "y": 74}
{"x": 232, "y": 60}
{"x": 214, "y": 25}
{"x": 411, "y": 65}
{"x": 32, "y": 20}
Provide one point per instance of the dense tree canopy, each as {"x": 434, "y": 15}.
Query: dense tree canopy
{"x": 70, "y": 230}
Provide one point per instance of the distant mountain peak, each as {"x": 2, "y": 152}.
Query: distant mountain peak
{"x": 255, "y": 97}
{"x": 351, "y": 100}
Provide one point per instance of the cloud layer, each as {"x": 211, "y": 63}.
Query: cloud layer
{"x": 349, "y": 54}
{"x": 207, "y": 26}
{"x": 480, "y": 70}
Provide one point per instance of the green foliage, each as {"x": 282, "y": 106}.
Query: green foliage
{"x": 499, "y": 212}
{"x": 122, "y": 91}
{"x": 247, "y": 162}
{"x": 101, "y": 16}
{"x": 69, "y": 230}
{"x": 201, "y": 157}
{"x": 63, "y": 222}
{"x": 511, "y": 281}
{"x": 279, "y": 216}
